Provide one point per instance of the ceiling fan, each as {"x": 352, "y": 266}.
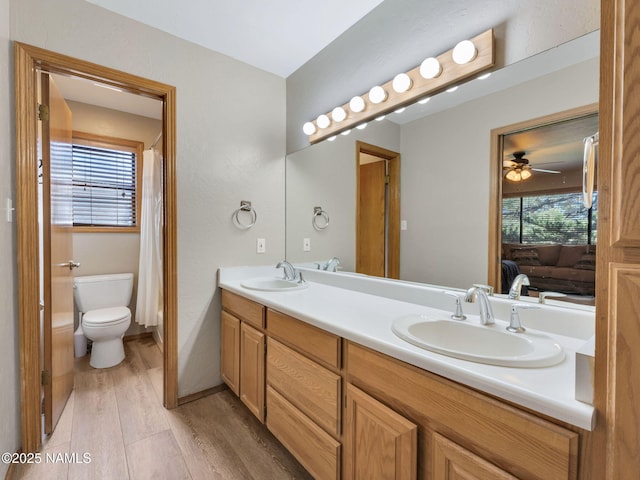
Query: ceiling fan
{"x": 518, "y": 169}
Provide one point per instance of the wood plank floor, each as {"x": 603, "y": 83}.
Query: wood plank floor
{"x": 115, "y": 415}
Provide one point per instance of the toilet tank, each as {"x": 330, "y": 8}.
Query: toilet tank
{"x": 102, "y": 291}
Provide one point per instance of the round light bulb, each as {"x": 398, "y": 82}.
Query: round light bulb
{"x": 346, "y": 132}
{"x": 402, "y": 82}
{"x": 424, "y": 100}
{"x": 323, "y": 121}
{"x": 430, "y": 68}
{"x": 331, "y": 139}
{"x": 452, "y": 89}
{"x": 380, "y": 118}
{"x": 356, "y": 104}
{"x": 362, "y": 126}
{"x": 464, "y": 52}
{"x": 486, "y": 75}
{"x": 400, "y": 110}
{"x": 338, "y": 114}
{"x": 309, "y": 128}
{"x": 377, "y": 94}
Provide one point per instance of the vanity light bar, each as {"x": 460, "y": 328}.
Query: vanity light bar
{"x": 387, "y": 99}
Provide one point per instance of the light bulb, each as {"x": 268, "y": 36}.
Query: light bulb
{"x": 486, "y": 75}
{"x": 362, "y": 126}
{"x": 402, "y": 82}
{"x": 452, "y": 89}
{"x": 380, "y": 118}
{"x": 346, "y": 132}
{"x": 309, "y": 128}
{"x": 356, "y": 104}
{"x": 525, "y": 174}
{"x": 430, "y": 68}
{"x": 464, "y": 52}
{"x": 400, "y": 110}
{"x": 331, "y": 139}
{"x": 323, "y": 121}
{"x": 377, "y": 94}
{"x": 338, "y": 114}
{"x": 424, "y": 100}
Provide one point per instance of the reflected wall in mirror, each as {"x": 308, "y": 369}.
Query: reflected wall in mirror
{"x": 446, "y": 174}
{"x": 544, "y": 229}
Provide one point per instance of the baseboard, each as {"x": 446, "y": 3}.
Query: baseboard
{"x": 137, "y": 336}
{"x": 158, "y": 339}
{"x": 202, "y": 394}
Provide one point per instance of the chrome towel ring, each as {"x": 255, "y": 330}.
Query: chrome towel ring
{"x": 320, "y": 219}
{"x": 245, "y": 206}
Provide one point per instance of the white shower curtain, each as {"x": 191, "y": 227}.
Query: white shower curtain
{"x": 149, "y": 301}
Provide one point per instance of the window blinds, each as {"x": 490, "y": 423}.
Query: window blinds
{"x": 104, "y": 187}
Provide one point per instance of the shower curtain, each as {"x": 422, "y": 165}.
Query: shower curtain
{"x": 149, "y": 301}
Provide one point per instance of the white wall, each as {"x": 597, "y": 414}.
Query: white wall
{"x": 102, "y": 253}
{"x": 445, "y": 174}
{"x": 331, "y": 166}
{"x": 398, "y": 34}
{"x": 9, "y": 362}
{"x": 230, "y": 147}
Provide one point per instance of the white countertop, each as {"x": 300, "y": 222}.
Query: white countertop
{"x": 366, "y": 319}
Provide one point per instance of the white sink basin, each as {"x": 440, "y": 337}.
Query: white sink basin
{"x": 490, "y": 344}
{"x": 272, "y": 285}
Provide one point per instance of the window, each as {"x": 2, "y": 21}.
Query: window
{"x": 558, "y": 218}
{"x": 105, "y": 176}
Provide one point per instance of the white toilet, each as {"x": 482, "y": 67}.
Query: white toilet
{"x": 103, "y": 301}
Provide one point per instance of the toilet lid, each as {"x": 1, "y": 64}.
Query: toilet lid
{"x": 106, "y": 316}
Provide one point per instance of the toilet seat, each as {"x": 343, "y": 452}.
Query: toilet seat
{"x": 105, "y": 317}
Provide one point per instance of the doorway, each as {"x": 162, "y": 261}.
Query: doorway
{"x": 377, "y": 211}
{"x": 28, "y": 61}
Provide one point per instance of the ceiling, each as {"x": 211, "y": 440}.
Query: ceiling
{"x": 256, "y": 32}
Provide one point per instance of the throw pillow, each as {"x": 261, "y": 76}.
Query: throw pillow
{"x": 526, "y": 256}
{"x": 586, "y": 262}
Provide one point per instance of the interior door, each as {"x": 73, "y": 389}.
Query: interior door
{"x": 57, "y": 253}
{"x": 371, "y": 229}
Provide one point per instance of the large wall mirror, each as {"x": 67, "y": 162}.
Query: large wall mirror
{"x": 446, "y": 169}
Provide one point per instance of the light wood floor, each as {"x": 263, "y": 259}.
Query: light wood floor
{"x": 115, "y": 416}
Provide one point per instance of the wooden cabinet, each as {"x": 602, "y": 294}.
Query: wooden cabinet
{"x": 515, "y": 441}
{"x": 379, "y": 443}
{"x": 453, "y": 462}
{"x": 242, "y": 350}
{"x": 230, "y": 351}
{"x": 252, "y": 345}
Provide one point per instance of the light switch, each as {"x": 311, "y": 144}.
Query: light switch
{"x": 261, "y": 245}
{"x": 306, "y": 244}
{"x": 403, "y": 224}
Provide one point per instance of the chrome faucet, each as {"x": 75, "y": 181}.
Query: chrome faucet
{"x": 542, "y": 297}
{"x": 516, "y": 286}
{"x": 331, "y": 265}
{"x": 486, "y": 312}
{"x": 459, "y": 314}
{"x": 514, "y": 320}
{"x": 289, "y": 271}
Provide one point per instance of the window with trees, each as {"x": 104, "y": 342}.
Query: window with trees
{"x": 555, "y": 218}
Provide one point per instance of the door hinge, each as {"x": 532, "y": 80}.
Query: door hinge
{"x": 45, "y": 377}
{"x": 43, "y": 112}
{"x": 387, "y": 179}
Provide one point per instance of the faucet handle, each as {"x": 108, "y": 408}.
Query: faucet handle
{"x": 542, "y": 296}
{"x": 459, "y": 314}
{"x": 488, "y": 289}
{"x": 514, "y": 320}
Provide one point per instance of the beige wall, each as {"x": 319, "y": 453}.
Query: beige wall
{"x": 9, "y": 365}
{"x": 230, "y": 147}
{"x": 101, "y": 253}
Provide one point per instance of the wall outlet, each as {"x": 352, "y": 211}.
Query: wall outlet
{"x": 306, "y": 244}
{"x": 261, "y": 245}
{"x": 403, "y": 224}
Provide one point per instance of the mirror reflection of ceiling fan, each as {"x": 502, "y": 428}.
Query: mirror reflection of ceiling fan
{"x": 518, "y": 169}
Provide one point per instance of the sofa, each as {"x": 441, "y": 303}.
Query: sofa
{"x": 569, "y": 269}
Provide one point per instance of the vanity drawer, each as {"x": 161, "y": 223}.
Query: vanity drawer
{"x": 310, "y": 387}
{"x": 322, "y": 346}
{"x": 312, "y": 446}
{"x": 247, "y": 310}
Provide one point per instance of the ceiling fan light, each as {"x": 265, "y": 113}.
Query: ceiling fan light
{"x": 525, "y": 174}
{"x": 513, "y": 176}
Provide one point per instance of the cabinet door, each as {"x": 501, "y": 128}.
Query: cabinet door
{"x": 252, "y": 369}
{"x": 379, "y": 443}
{"x": 230, "y": 351}
{"x": 453, "y": 462}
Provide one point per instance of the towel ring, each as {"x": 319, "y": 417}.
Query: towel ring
{"x": 245, "y": 206}
{"x": 318, "y": 213}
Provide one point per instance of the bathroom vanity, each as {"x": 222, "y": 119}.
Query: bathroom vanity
{"x": 322, "y": 369}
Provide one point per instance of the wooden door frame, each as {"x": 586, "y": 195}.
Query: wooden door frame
{"x": 494, "y": 275}
{"x": 393, "y": 247}
{"x": 27, "y": 61}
